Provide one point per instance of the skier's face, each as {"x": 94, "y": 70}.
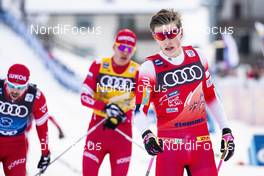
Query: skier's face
{"x": 15, "y": 91}
{"x": 169, "y": 39}
{"x": 123, "y": 53}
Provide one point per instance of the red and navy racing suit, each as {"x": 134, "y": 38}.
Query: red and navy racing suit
{"x": 179, "y": 93}
{"x": 15, "y": 118}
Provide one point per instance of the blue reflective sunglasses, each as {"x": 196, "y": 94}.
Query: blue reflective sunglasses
{"x": 14, "y": 86}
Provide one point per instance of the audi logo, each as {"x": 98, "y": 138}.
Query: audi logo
{"x": 13, "y": 109}
{"x": 116, "y": 82}
{"x": 187, "y": 74}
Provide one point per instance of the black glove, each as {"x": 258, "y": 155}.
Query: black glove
{"x": 152, "y": 145}
{"x": 44, "y": 163}
{"x": 61, "y": 134}
{"x": 227, "y": 143}
{"x": 115, "y": 115}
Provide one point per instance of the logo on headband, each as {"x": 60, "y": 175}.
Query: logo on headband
{"x": 18, "y": 77}
{"x": 127, "y": 38}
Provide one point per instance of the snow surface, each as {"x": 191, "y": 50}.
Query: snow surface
{"x": 80, "y": 65}
{"x": 74, "y": 119}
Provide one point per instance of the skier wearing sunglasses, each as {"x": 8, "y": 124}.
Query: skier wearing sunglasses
{"x": 20, "y": 102}
{"x": 179, "y": 84}
{"x": 109, "y": 90}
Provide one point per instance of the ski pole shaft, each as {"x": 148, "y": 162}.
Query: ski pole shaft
{"x": 221, "y": 160}
{"x": 219, "y": 165}
{"x": 129, "y": 138}
{"x": 150, "y": 165}
{"x": 76, "y": 142}
{"x": 132, "y": 141}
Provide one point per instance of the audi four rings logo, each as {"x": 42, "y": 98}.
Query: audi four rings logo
{"x": 181, "y": 76}
{"x": 13, "y": 109}
{"x": 116, "y": 82}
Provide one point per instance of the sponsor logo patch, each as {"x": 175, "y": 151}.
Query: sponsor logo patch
{"x": 19, "y": 77}
{"x": 115, "y": 82}
{"x": 172, "y": 99}
{"x": 131, "y": 69}
{"x": 171, "y": 110}
{"x": 190, "y": 123}
{"x": 190, "y": 53}
{"x": 180, "y": 76}
{"x": 209, "y": 82}
{"x": 29, "y": 97}
{"x": 158, "y": 62}
{"x": 123, "y": 160}
{"x": 106, "y": 65}
{"x": 13, "y": 109}
{"x": 16, "y": 162}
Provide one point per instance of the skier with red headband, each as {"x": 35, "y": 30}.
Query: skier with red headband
{"x": 20, "y": 102}
{"x": 179, "y": 84}
{"x": 109, "y": 90}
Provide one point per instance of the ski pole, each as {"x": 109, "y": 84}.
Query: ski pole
{"x": 129, "y": 138}
{"x": 150, "y": 165}
{"x": 221, "y": 159}
{"x": 76, "y": 142}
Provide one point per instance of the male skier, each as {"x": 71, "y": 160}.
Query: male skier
{"x": 20, "y": 102}
{"x": 179, "y": 84}
{"x": 109, "y": 90}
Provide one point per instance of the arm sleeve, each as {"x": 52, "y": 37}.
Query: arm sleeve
{"x": 40, "y": 114}
{"x": 144, "y": 91}
{"x": 89, "y": 87}
{"x": 52, "y": 119}
{"x": 212, "y": 100}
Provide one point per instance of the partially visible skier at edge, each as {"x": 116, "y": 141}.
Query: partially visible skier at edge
{"x": 179, "y": 84}
{"x": 21, "y": 102}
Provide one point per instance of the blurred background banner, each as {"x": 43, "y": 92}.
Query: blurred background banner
{"x": 231, "y": 56}
{"x": 58, "y": 40}
{"x": 260, "y": 29}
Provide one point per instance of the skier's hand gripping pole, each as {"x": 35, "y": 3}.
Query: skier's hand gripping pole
{"x": 227, "y": 146}
{"x": 115, "y": 116}
{"x": 227, "y": 143}
{"x": 152, "y": 144}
